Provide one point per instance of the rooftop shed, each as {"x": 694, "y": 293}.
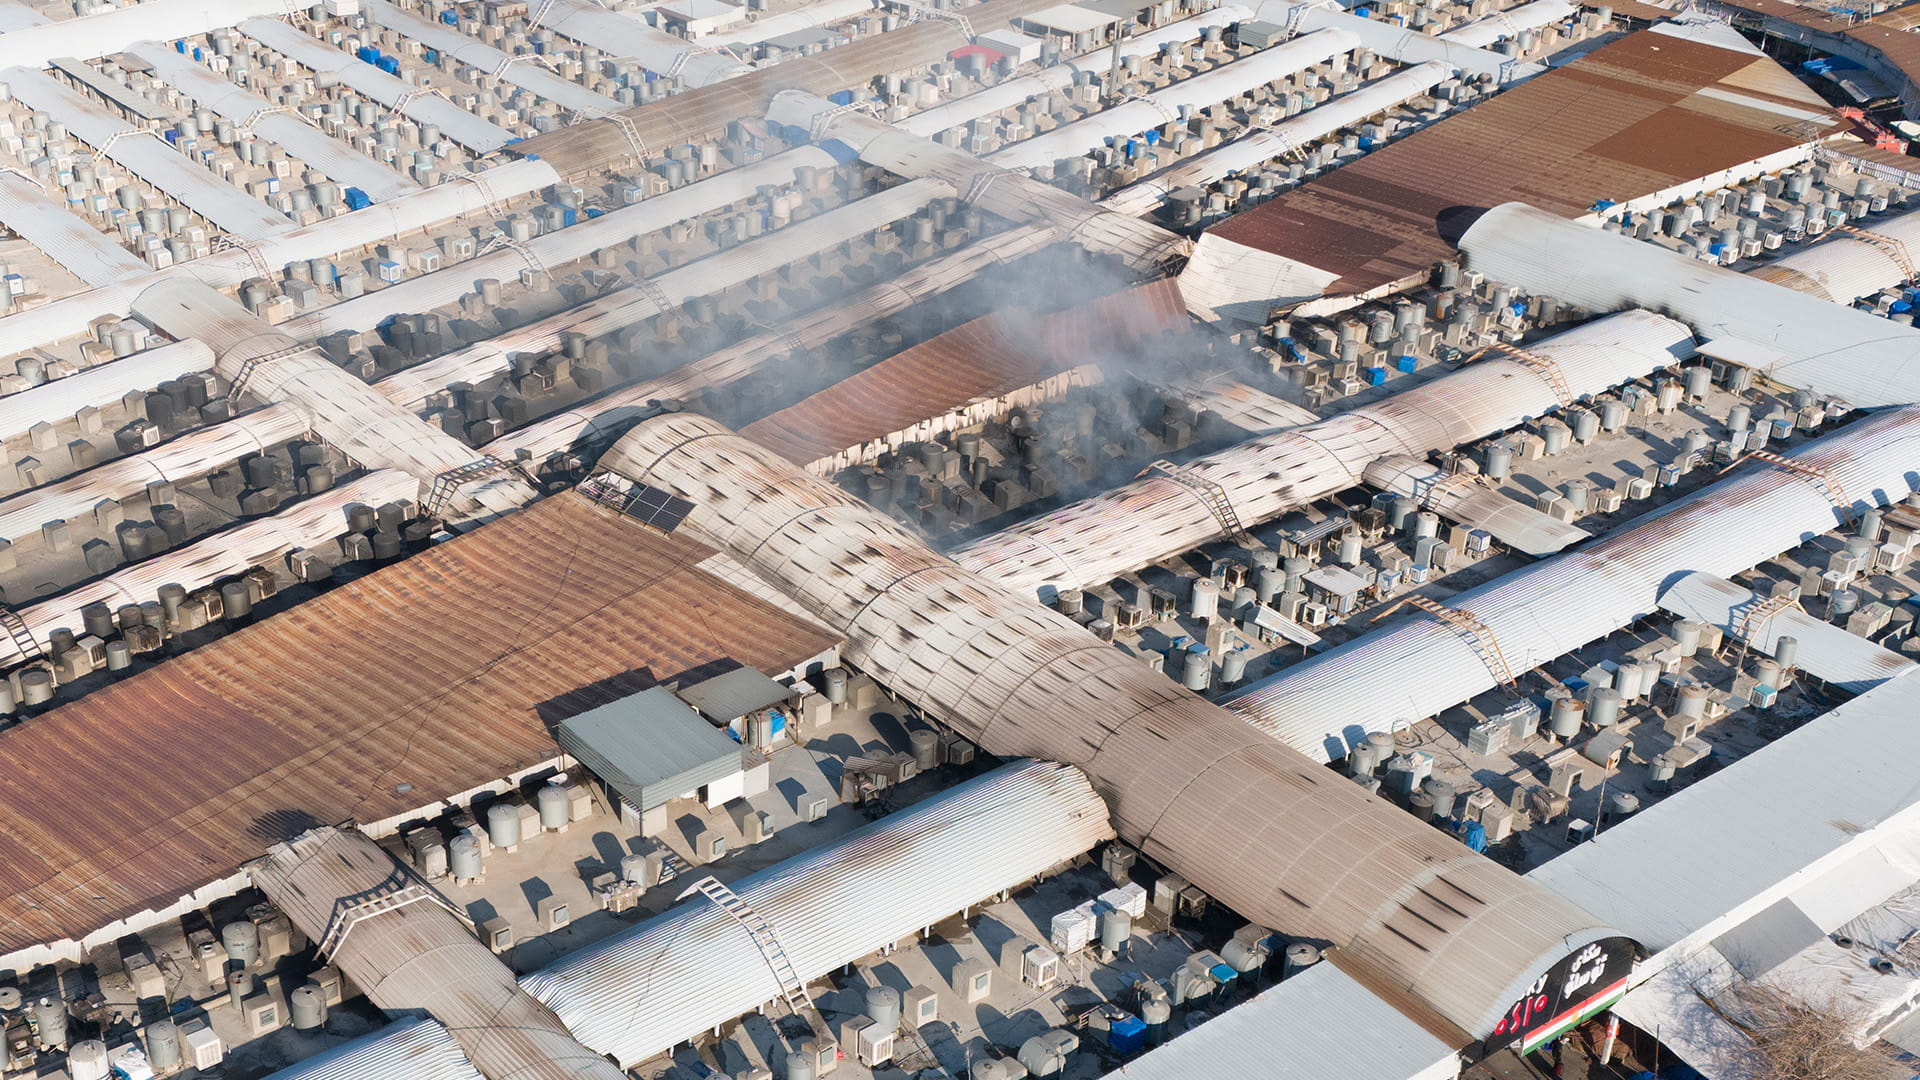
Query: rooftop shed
{"x": 651, "y": 747}
{"x": 741, "y": 692}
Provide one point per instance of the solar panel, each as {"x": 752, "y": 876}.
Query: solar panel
{"x": 660, "y": 509}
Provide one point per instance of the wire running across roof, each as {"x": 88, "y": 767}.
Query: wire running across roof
{"x": 441, "y": 672}
{"x": 982, "y": 359}
{"x": 1640, "y": 115}
{"x": 674, "y": 976}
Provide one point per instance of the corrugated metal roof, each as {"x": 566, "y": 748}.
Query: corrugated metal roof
{"x": 726, "y": 698}
{"x": 1639, "y": 115}
{"x": 408, "y": 1050}
{"x": 417, "y": 955}
{"x": 694, "y": 113}
{"x": 442, "y": 671}
{"x": 65, "y": 237}
{"x": 681, "y": 973}
{"x": 650, "y": 746}
{"x": 1264, "y": 829}
{"x": 1319, "y": 1023}
{"x": 1837, "y": 787}
{"x": 1825, "y": 651}
{"x": 982, "y": 359}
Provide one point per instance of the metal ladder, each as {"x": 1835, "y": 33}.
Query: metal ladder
{"x": 793, "y": 989}
{"x": 390, "y": 899}
{"x": 526, "y": 253}
{"x": 254, "y": 363}
{"x": 1210, "y": 494}
{"x": 1546, "y": 368}
{"x": 1754, "y": 620}
{"x": 1894, "y": 248}
{"x": 1477, "y": 635}
{"x": 23, "y": 639}
{"x": 1829, "y": 486}
{"x": 446, "y": 484}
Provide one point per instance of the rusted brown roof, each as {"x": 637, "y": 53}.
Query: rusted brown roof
{"x": 985, "y": 358}
{"x": 1626, "y": 120}
{"x": 442, "y": 672}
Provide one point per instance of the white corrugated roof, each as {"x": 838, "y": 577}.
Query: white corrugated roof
{"x": 1772, "y": 823}
{"x": 408, "y": 1050}
{"x": 677, "y": 975}
{"x": 1320, "y": 1023}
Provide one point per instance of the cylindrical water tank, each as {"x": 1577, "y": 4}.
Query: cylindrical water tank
{"x": 1299, "y": 957}
{"x": 1425, "y": 523}
{"x": 1564, "y": 721}
{"x": 1603, "y": 707}
{"x": 463, "y": 858}
{"x": 1691, "y": 702}
{"x": 242, "y": 939}
{"x": 926, "y": 749}
{"x": 503, "y": 825}
{"x": 1767, "y": 673}
{"x": 1197, "y": 673}
{"x": 1206, "y": 598}
{"x": 1116, "y": 928}
{"x": 1586, "y": 425}
{"x": 1444, "y": 795}
{"x": 239, "y": 983}
{"x": 1870, "y": 524}
{"x": 1400, "y": 510}
{"x": 163, "y": 1045}
{"x": 1499, "y": 460}
{"x": 307, "y": 1007}
{"x": 883, "y": 1007}
{"x": 1687, "y": 633}
{"x": 552, "y": 802}
{"x": 1233, "y": 666}
{"x": 1350, "y": 549}
{"x": 1785, "y": 650}
{"x": 1361, "y": 760}
{"x": 1421, "y": 804}
{"x": 800, "y": 1067}
{"x": 50, "y": 1016}
{"x": 1621, "y": 804}
{"x": 1839, "y": 606}
{"x": 833, "y": 683}
{"x": 87, "y": 1060}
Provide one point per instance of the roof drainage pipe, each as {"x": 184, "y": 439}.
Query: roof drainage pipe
{"x": 1260, "y": 146}
{"x": 1156, "y": 109}
{"x": 1505, "y": 24}
{"x": 308, "y": 524}
{"x": 1094, "y": 539}
{"x": 1819, "y": 345}
{"x": 833, "y": 904}
{"x": 1307, "y": 852}
{"x": 1051, "y": 80}
{"x": 1420, "y": 665}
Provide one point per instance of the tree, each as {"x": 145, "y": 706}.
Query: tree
{"x": 1801, "y": 1040}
